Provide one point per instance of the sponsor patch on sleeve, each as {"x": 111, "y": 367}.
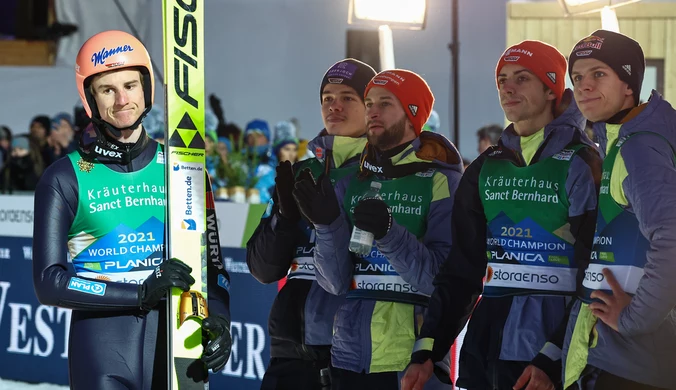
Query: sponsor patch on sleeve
{"x": 564, "y": 155}
{"x": 87, "y": 286}
{"x": 224, "y": 283}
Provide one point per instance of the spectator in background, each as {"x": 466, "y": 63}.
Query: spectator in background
{"x": 153, "y": 124}
{"x": 25, "y": 164}
{"x": 212, "y": 157}
{"x": 211, "y": 123}
{"x": 433, "y": 124}
{"x": 296, "y": 124}
{"x": 224, "y": 129}
{"x": 5, "y": 138}
{"x": 80, "y": 118}
{"x": 5, "y": 149}
{"x": 39, "y": 129}
{"x": 285, "y": 146}
{"x": 230, "y": 131}
{"x": 488, "y": 135}
{"x": 303, "y": 152}
{"x": 287, "y": 150}
{"x": 224, "y": 147}
{"x": 257, "y": 137}
{"x": 61, "y": 138}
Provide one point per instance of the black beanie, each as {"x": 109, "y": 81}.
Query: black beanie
{"x": 350, "y": 72}
{"x": 45, "y": 122}
{"x": 621, "y": 53}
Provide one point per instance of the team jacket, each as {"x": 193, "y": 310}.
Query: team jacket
{"x": 638, "y": 192}
{"x": 377, "y": 334}
{"x": 56, "y": 206}
{"x": 526, "y": 326}
{"x": 301, "y": 318}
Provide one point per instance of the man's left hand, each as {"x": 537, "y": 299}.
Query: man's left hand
{"x": 533, "y": 378}
{"x": 611, "y": 306}
{"x": 217, "y": 351}
{"x": 373, "y": 215}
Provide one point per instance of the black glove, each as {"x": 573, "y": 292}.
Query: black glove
{"x": 171, "y": 273}
{"x": 217, "y": 330}
{"x": 374, "y": 216}
{"x": 284, "y": 182}
{"x": 316, "y": 201}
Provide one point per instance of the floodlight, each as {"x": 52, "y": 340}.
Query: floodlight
{"x": 582, "y": 7}
{"x": 609, "y": 20}
{"x": 402, "y": 14}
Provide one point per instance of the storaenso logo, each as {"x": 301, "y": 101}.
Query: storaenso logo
{"x": 527, "y": 277}
{"x": 594, "y": 276}
{"x": 106, "y": 152}
{"x": 16, "y": 216}
{"x": 188, "y": 26}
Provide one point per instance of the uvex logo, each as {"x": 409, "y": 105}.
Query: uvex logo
{"x": 108, "y": 153}
{"x": 373, "y": 168}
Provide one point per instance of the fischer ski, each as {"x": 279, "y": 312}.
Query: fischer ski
{"x": 185, "y": 180}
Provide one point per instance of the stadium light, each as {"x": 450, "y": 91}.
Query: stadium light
{"x": 609, "y": 20}
{"x": 582, "y": 7}
{"x": 574, "y": 3}
{"x": 401, "y": 14}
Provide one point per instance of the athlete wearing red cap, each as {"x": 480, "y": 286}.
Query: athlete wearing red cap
{"x": 387, "y": 289}
{"x": 106, "y": 202}
{"x": 523, "y": 220}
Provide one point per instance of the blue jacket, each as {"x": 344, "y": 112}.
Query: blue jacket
{"x": 521, "y": 328}
{"x": 644, "y": 347}
{"x": 376, "y": 335}
{"x": 301, "y": 319}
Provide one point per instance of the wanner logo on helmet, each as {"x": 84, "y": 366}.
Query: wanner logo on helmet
{"x": 189, "y": 224}
{"x": 100, "y": 57}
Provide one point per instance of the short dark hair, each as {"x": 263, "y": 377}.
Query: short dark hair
{"x": 490, "y": 132}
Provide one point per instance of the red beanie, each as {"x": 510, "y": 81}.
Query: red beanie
{"x": 544, "y": 60}
{"x": 412, "y": 91}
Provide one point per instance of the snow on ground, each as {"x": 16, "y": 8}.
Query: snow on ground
{"x": 12, "y": 385}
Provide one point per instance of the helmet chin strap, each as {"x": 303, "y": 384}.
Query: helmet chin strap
{"x": 95, "y": 144}
{"x": 117, "y": 131}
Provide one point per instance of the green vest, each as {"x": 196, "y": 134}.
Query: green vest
{"x": 409, "y": 200}
{"x": 528, "y": 241}
{"x": 118, "y": 231}
{"x": 302, "y": 265}
{"x": 619, "y": 244}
